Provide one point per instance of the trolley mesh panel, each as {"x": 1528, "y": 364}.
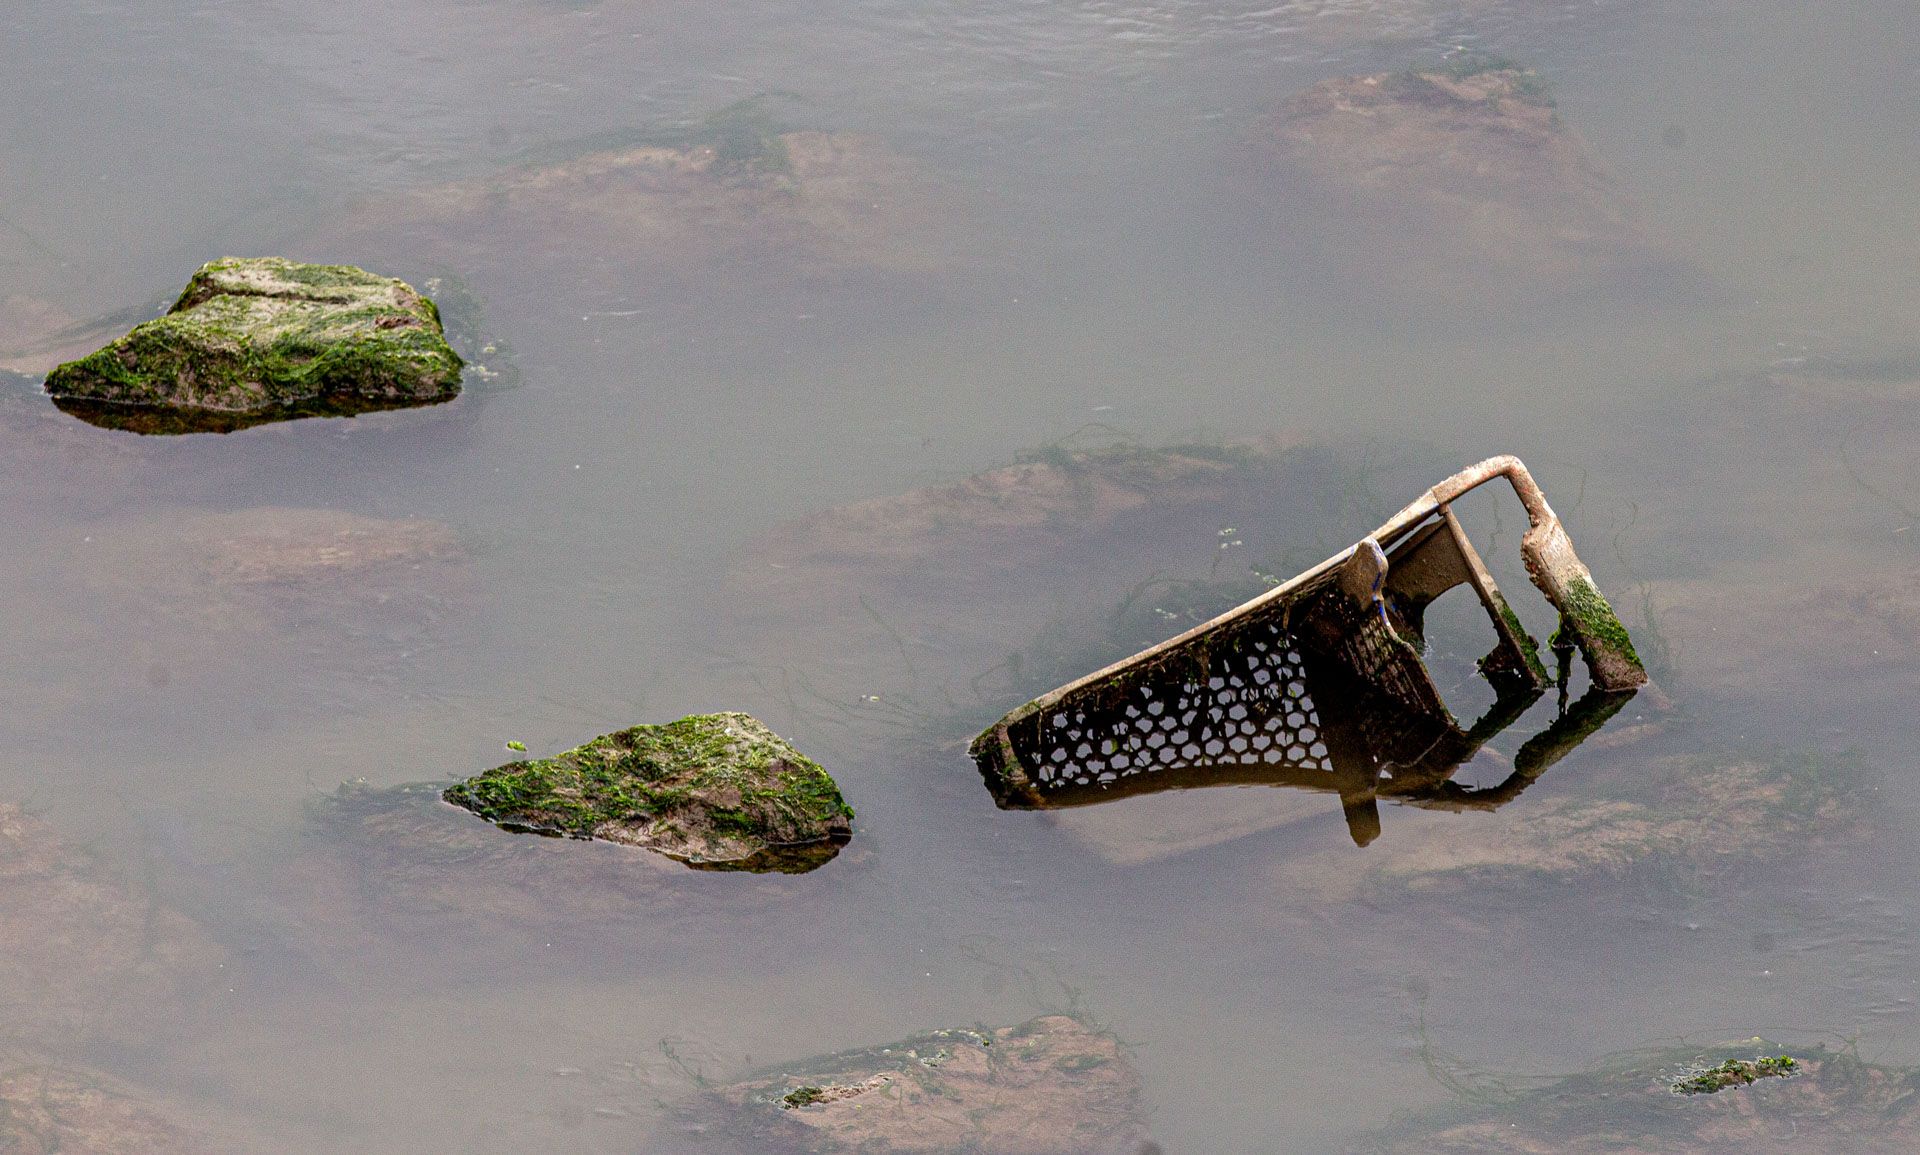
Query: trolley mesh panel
{"x": 1242, "y": 697}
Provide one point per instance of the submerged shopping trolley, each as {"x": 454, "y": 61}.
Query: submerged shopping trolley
{"x": 1319, "y": 681}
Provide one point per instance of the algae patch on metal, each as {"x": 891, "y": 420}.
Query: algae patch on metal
{"x": 715, "y": 791}
{"x": 1319, "y": 681}
{"x": 254, "y": 340}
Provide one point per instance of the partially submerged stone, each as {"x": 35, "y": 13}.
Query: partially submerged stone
{"x": 398, "y": 862}
{"x": 716, "y": 791}
{"x": 1460, "y": 179}
{"x": 1833, "y": 1101}
{"x": 253, "y": 340}
{"x": 1052, "y": 1086}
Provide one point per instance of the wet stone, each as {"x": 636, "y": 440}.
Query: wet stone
{"x": 1052, "y": 1086}
{"x": 253, "y": 340}
{"x": 1829, "y": 1101}
{"x": 715, "y": 791}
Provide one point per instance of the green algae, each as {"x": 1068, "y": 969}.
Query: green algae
{"x": 1733, "y": 1073}
{"x": 1586, "y": 618}
{"x": 745, "y": 137}
{"x": 1516, "y": 80}
{"x": 717, "y": 791}
{"x": 264, "y": 339}
{"x": 1529, "y": 646}
{"x": 1818, "y": 1099}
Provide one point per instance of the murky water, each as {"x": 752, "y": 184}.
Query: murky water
{"x": 1086, "y": 246}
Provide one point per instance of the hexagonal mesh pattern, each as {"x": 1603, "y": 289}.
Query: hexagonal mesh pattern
{"x": 1246, "y": 706}
{"x": 1239, "y": 699}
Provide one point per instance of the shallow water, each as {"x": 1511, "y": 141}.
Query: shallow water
{"x": 1108, "y": 262}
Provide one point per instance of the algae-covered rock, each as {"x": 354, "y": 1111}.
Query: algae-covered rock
{"x": 1639, "y": 1105}
{"x": 716, "y": 791}
{"x": 1459, "y": 179}
{"x": 265, "y": 339}
{"x": 1734, "y": 1073}
{"x": 398, "y": 863}
{"x": 1052, "y": 1086}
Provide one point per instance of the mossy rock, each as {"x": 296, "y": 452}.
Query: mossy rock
{"x": 716, "y": 791}
{"x": 266, "y": 339}
{"x": 1051, "y": 1086}
{"x": 1646, "y": 1102}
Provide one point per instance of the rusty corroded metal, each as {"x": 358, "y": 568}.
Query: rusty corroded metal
{"x": 1319, "y": 680}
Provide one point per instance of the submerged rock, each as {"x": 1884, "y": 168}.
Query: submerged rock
{"x": 1458, "y": 180}
{"x": 716, "y": 791}
{"x": 1832, "y": 1102}
{"x": 185, "y": 587}
{"x": 398, "y": 863}
{"x": 1052, "y": 1086}
{"x": 953, "y": 595}
{"x": 46, "y": 1109}
{"x": 84, "y": 953}
{"x": 739, "y": 195}
{"x": 1698, "y": 815}
{"x": 36, "y": 335}
{"x": 266, "y": 339}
